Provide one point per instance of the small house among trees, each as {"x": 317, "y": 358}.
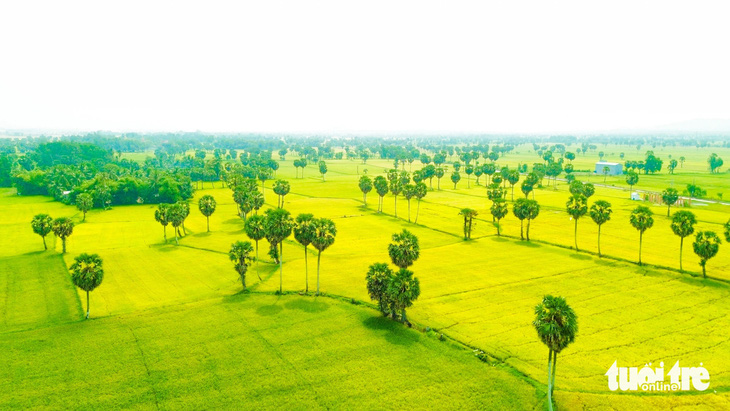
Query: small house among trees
{"x": 614, "y": 169}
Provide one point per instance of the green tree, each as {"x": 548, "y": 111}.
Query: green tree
{"x": 42, "y": 225}
{"x": 185, "y": 211}
{"x": 324, "y": 236}
{"x": 176, "y": 216}
{"x": 577, "y": 207}
{"x": 281, "y": 188}
{"x": 706, "y": 245}
{"x": 366, "y": 185}
{"x": 378, "y": 277}
{"x": 322, "y": 169}
{"x": 63, "y": 227}
{"x": 87, "y": 273}
{"x": 727, "y": 231}
{"x": 642, "y": 220}
{"x": 556, "y": 325}
{"x": 600, "y": 213}
{"x": 404, "y": 250}
{"x": 439, "y": 174}
{"x": 403, "y": 289}
{"x": 381, "y": 186}
{"x": 605, "y": 170}
{"x": 513, "y": 177}
{"x": 520, "y": 210}
{"x": 278, "y": 225}
{"x": 499, "y": 210}
{"x": 421, "y": 191}
{"x": 162, "y": 217}
{"x": 84, "y": 202}
{"x": 468, "y": 215}
{"x": 207, "y": 205}
{"x": 683, "y": 225}
{"x": 532, "y": 210}
{"x": 455, "y": 177}
{"x": 670, "y": 197}
{"x": 256, "y": 231}
{"x": 631, "y": 179}
{"x": 396, "y": 187}
{"x": 240, "y": 254}
{"x": 304, "y": 232}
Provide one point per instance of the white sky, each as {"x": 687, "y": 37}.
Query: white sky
{"x": 334, "y": 66}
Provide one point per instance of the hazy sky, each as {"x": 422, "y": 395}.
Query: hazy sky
{"x": 362, "y": 66}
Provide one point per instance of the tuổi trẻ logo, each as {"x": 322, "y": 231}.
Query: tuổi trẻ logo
{"x": 654, "y": 379}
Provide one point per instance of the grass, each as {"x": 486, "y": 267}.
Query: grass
{"x": 174, "y": 309}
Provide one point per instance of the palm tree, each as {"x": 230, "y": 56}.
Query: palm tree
{"x": 605, "y": 170}
{"x": 278, "y": 226}
{"x": 455, "y": 177}
{"x": 42, "y": 225}
{"x": 161, "y": 216}
{"x": 396, "y": 187}
{"x": 409, "y": 191}
{"x": 556, "y": 325}
{"x": 378, "y": 277}
{"x": 519, "y": 208}
{"x": 176, "y": 215}
{"x": 324, "y": 236}
{"x": 366, "y": 185}
{"x": 726, "y": 226}
{"x": 499, "y": 210}
{"x": 281, "y": 188}
{"x": 240, "y": 254}
{"x": 404, "y": 250}
{"x": 600, "y": 213}
{"x": 403, "y": 289}
{"x": 84, "y": 202}
{"x": 669, "y": 197}
{"x": 577, "y": 207}
{"x": 87, "y": 273}
{"x": 683, "y": 225}
{"x": 421, "y": 191}
{"x": 706, "y": 245}
{"x": 63, "y": 227}
{"x": 631, "y": 179}
{"x": 468, "y": 215}
{"x": 513, "y": 176}
{"x": 642, "y": 220}
{"x": 256, "y": 231}
{"x": 304, "y": 232}
{"x": 207, "y": 205}
{"x": 381, "y": 186}
{"x": 185, "y": 212}
{"x": 531, "y": 212}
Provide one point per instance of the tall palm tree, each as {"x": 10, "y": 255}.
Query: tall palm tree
{"x": 366, "y": 185}
{"x": 63, "y": 227}
{"x": 324, "y": 236}
{"x": 240, "y": 254}
{"x": 304, "y": 232}
{"x": 256, "y": 231}
{"x": 161, "y": 216}
{"x": 499, "y": 210}
{"x": 532, "y": 209}
{"x": 577, "y": 207}
{"x": 669, "y": 197}
{"x": 421, "y": 191}
{"x": 683, "y": 225}
{"x": 468, "y": 215}
{"x": 281, "y": 188}
{"x": 42, "y": 225}
{"x": 706, "y": 245}
{"x": 519, "y": 208}
{"x": 403, "y": 290}
{"x": 600, "y": 213}
{"x": 378, "y": 277}
{"x": 556, "y": 325}
{"x": 642, "y": 220}
{"x": 409, "y": 191}
{"x": 278, "y": 225}
{"x": 87, "y": 273}
{"x": 207, "y": 205}
{"x": 404, "y": 250}
{"x": 381, "y": 186}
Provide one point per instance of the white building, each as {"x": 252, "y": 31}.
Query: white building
{"x": 614, "y": 169}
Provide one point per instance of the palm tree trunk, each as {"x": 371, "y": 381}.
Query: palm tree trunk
{"x": 185, "y": 232}
{"x": 522, "y": 235}
{"x": 549, "y": 389}
{"x": 164, "y": 232}
{"x": 681, "y": 244}
{"x": 418, "y": 208}
{"x": 176, "y": 242}
{"x": 364, "y": 199}
{"x": 513, "y": 194}
{"x": 555, "y": 365}
{"x": 84, "y": 219}
{"x": 281, "y": 266}
{"x": 63, "y": 242}
{"x": 668, "y": 210}
{"x": 641, "y": 238}
{"x": 498, "y": 234}
{"x": 404, "y": 318}
{"x": 470, "y": 221}
{"x": 599, "y": 240}
{"x": 396, "y": 206}
{"x": 528, "y": 229}
{"x": 704, "y": 273}
{"x": 45, "y": 247}
{"x": 207, "y": 222}
{"x": 319, "y": 257}
{"x": 306, "y": 271}
{"x": 257, "y": 261}
{"x": 87, "y": 305}
{"x": 576, "y": 234}
{"x": 409, "y": 210}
